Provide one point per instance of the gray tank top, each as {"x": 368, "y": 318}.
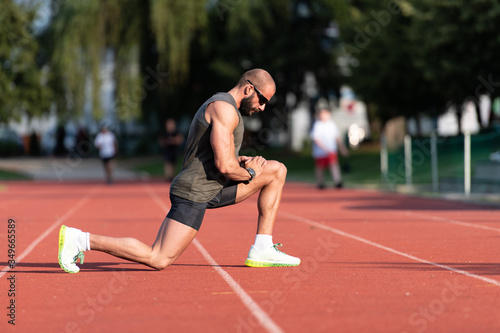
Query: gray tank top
{"x": 199, "y": 179}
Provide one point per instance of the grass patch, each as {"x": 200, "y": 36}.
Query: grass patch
{"x": 361, "y": 167}
{"x": 9, "y": 175}
{"x": 154, "y": 168}
{"x": 450, "y": 158}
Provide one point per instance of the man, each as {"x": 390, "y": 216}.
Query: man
{"x": 212, "y": 176}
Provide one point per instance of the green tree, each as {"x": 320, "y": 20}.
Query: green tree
{"x": 286, "y": 37}
{"x": 384, "y": 73}
{"x": 457, "y": 44}
{"x": 149, "y": 41}
{"x": 412, "y": 56}
{"x": 21, "y": 79}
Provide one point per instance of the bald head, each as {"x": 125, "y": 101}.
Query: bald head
{"x": 260, "y": 78}
{"x": 253, "y": 91}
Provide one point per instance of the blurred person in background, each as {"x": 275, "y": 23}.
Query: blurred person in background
{"x": 170, "y": 141}
{"x": 34, "y": 145}
{"x": 83, "y": 146}
{"x": 107, "y": 145}
{"x": 60, "y": 150}
{"x": 326, "y": 142}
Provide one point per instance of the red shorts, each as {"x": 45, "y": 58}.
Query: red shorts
{"x": 326, "y": 161}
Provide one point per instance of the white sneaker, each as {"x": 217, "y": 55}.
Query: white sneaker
{"x": 270, "y": 257}
{"x": 68, "y": 250}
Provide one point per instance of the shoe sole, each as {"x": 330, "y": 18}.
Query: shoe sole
{"x": 62, "y": 236}
{"x": 255, "y": 263}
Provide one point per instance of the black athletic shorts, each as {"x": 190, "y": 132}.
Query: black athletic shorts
{"x": 191, "y": 213}
{"x": 106, "y": 160}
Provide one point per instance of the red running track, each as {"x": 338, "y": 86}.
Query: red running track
{"x": 372, "y": 262}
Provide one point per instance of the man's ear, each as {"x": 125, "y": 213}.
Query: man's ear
{"x": 248, "y": 90}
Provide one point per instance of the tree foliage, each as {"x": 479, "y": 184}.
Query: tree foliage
{"x": 149, "y": 41}
{"x": 21, "y": 79}
{"x": 286, "y": 37}
{"x": 413, "y": 56}
{"x": 404, "y": 56}
{"x": 459, "y": 46}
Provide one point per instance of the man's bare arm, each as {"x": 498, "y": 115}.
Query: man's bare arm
{"x": 224, "y": 120}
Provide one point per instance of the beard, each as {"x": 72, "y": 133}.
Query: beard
{"x": 246, "y": 106}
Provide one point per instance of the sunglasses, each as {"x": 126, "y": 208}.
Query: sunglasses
{"x": 262, "y": 99}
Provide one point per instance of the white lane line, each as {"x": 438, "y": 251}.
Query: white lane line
{"x": 56, "y": 224}
{"x": 457, "y": 222}
{"x": 409, "y": 256}
{"x": 248, "y": 301}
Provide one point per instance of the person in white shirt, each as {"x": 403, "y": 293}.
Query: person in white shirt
{"x": 106, "y": 142}
{"x": 326, "y": 141}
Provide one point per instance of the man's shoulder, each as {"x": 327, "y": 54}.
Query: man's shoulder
{"x": 221, "y": 105}
{"x": 223, "y": 96}
{"x": 223, "y": 99}
{"x": 222, "y": 108}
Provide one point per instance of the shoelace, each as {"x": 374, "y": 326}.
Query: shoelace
{"x": 80, "y": 256}
{"x": 276, "y": 247}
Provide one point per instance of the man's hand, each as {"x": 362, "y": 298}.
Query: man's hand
{"x": 243, "y": 159}
{"x": 257, "y": 163}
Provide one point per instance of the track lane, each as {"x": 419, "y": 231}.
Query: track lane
{"x": 343, "y": 285}
{"x": 331, "y": 211}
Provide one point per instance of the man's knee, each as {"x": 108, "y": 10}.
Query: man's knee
{"x": 280, "y": 170}
{"x": 283, "y": 168}
{"x": 162, "y": 263}
{"x": 274, "y": 171}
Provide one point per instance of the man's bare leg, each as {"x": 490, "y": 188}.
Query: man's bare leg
{"x": 263, "y": 253}
{"x": 172, "y": 239}
{"x": 270, "y": 184}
